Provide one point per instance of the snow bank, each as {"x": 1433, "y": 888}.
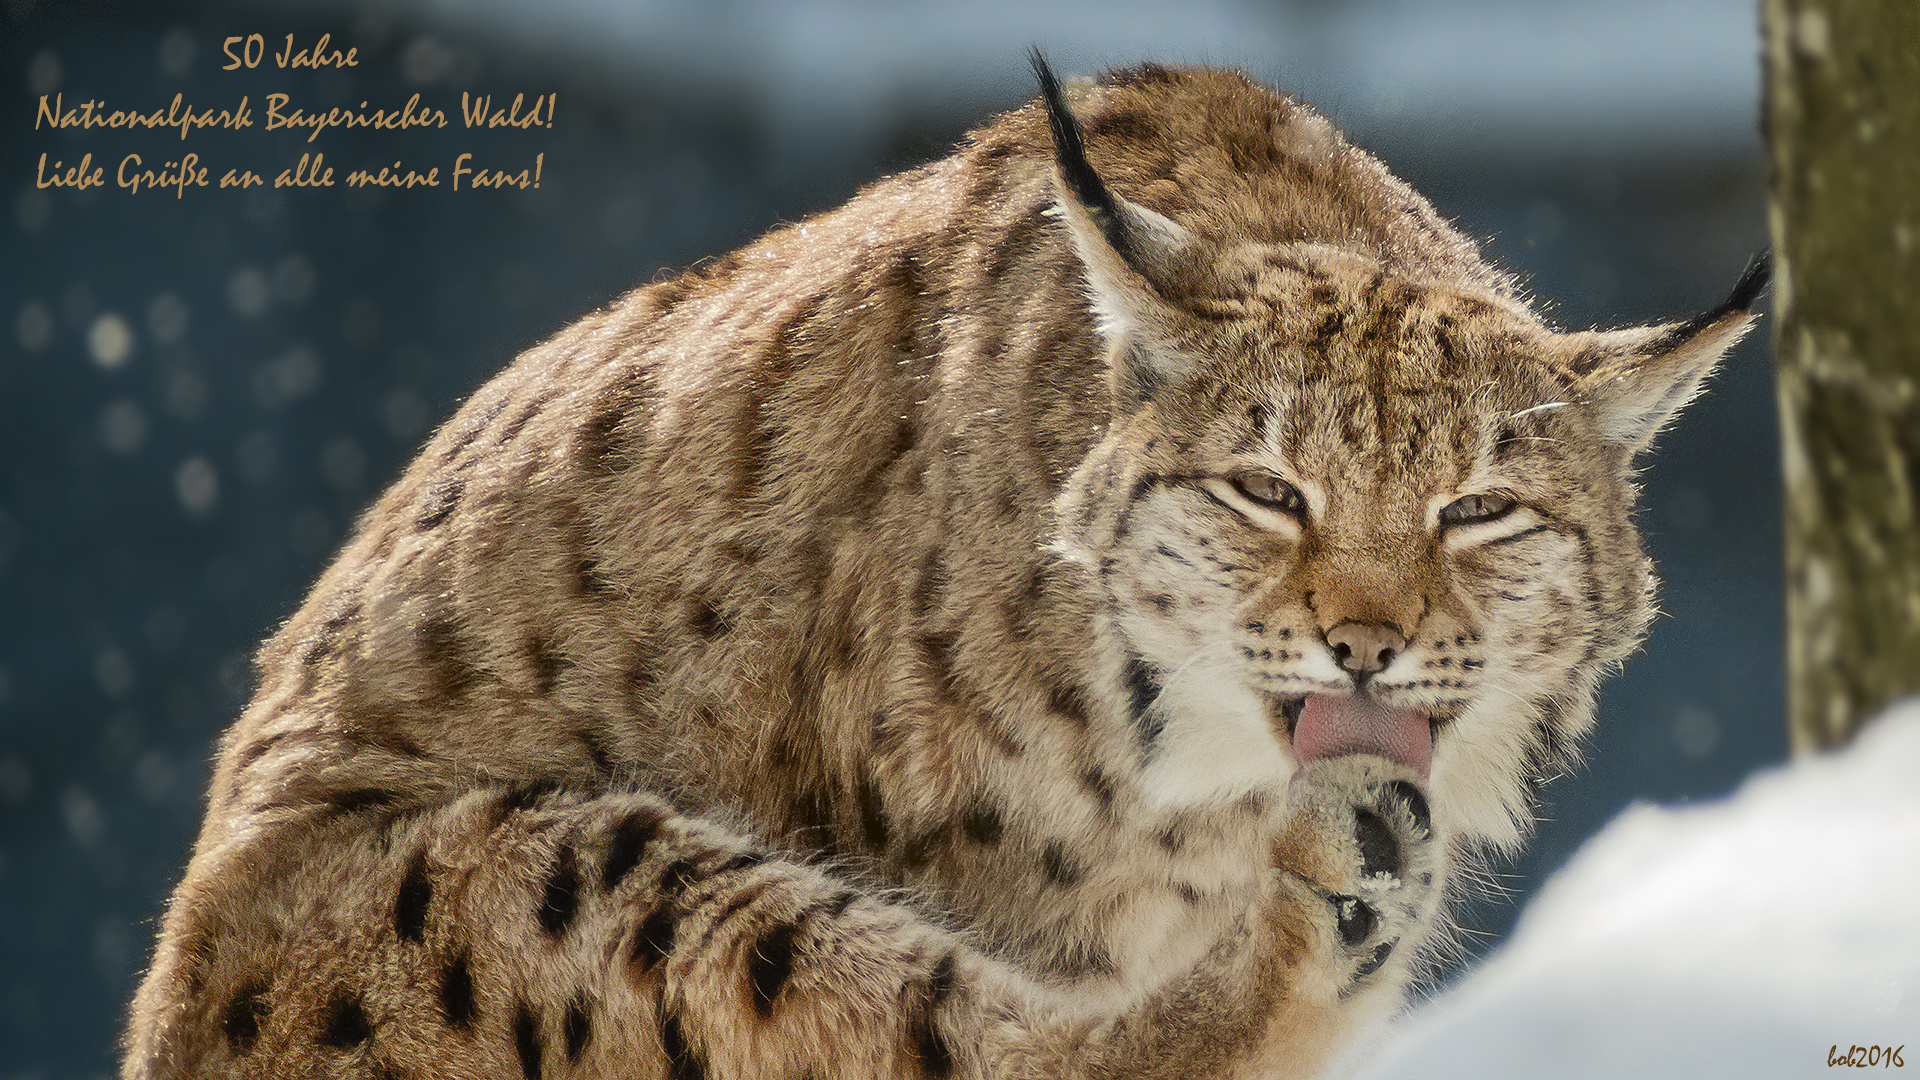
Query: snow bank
{"x": 1743, "y": 938}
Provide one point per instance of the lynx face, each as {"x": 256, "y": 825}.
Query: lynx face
{"x": 1365, "y": 510}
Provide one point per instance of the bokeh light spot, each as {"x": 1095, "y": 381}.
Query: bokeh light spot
{"x": 197, "y": 485}
{"x": 110, "y": 341}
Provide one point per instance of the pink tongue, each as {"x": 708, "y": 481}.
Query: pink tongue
{"x": 1336, "y": 726}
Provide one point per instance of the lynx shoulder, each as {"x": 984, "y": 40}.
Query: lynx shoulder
{"x": 1065, "y": 613}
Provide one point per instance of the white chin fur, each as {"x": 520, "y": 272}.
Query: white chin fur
{"x": 1478, "y": 760}
{"x": 1217, "y": 744}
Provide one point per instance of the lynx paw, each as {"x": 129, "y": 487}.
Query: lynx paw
{"x": 1362, "y": 843}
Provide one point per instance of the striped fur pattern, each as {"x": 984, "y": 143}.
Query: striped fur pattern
{"x": 875, "y": 652}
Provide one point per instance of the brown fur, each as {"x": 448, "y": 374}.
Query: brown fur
{"x": 854, "y": 655}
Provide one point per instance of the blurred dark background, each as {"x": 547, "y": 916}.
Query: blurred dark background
{"x": 200, "y": 393}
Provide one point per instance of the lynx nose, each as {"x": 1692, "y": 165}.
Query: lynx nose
{"x": 1365, "y": 648}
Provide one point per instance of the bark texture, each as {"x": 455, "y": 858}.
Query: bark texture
{"x": 1843, "y": 119}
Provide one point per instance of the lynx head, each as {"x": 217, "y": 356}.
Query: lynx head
{"x": 1353, "y": 492}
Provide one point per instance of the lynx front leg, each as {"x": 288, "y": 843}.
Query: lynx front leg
{"x": 1360, "y": 888}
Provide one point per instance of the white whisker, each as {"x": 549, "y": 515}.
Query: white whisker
{"x": 1539, "y": 408}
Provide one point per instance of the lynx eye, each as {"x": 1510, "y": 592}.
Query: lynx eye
{"x": 1268, "y": 490}
{"x": 1474, "y": 509}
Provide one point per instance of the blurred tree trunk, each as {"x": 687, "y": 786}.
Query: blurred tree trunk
{"x": 1843, "y": 118}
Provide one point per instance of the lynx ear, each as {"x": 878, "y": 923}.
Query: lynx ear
{"x": 1131, "y": 253}
{"x": 1636, "y": 380}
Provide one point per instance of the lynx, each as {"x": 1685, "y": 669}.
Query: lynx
{"x": 1067, "y": 613}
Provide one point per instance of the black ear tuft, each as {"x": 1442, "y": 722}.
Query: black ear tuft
{"x": 1753, "y": 281}
{"x": 1070, "y": 152}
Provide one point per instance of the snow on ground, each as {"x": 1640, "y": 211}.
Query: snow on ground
{"x": 1742, "y": 938}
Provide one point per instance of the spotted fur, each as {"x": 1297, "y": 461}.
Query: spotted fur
{"x": 876, "y": 652}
